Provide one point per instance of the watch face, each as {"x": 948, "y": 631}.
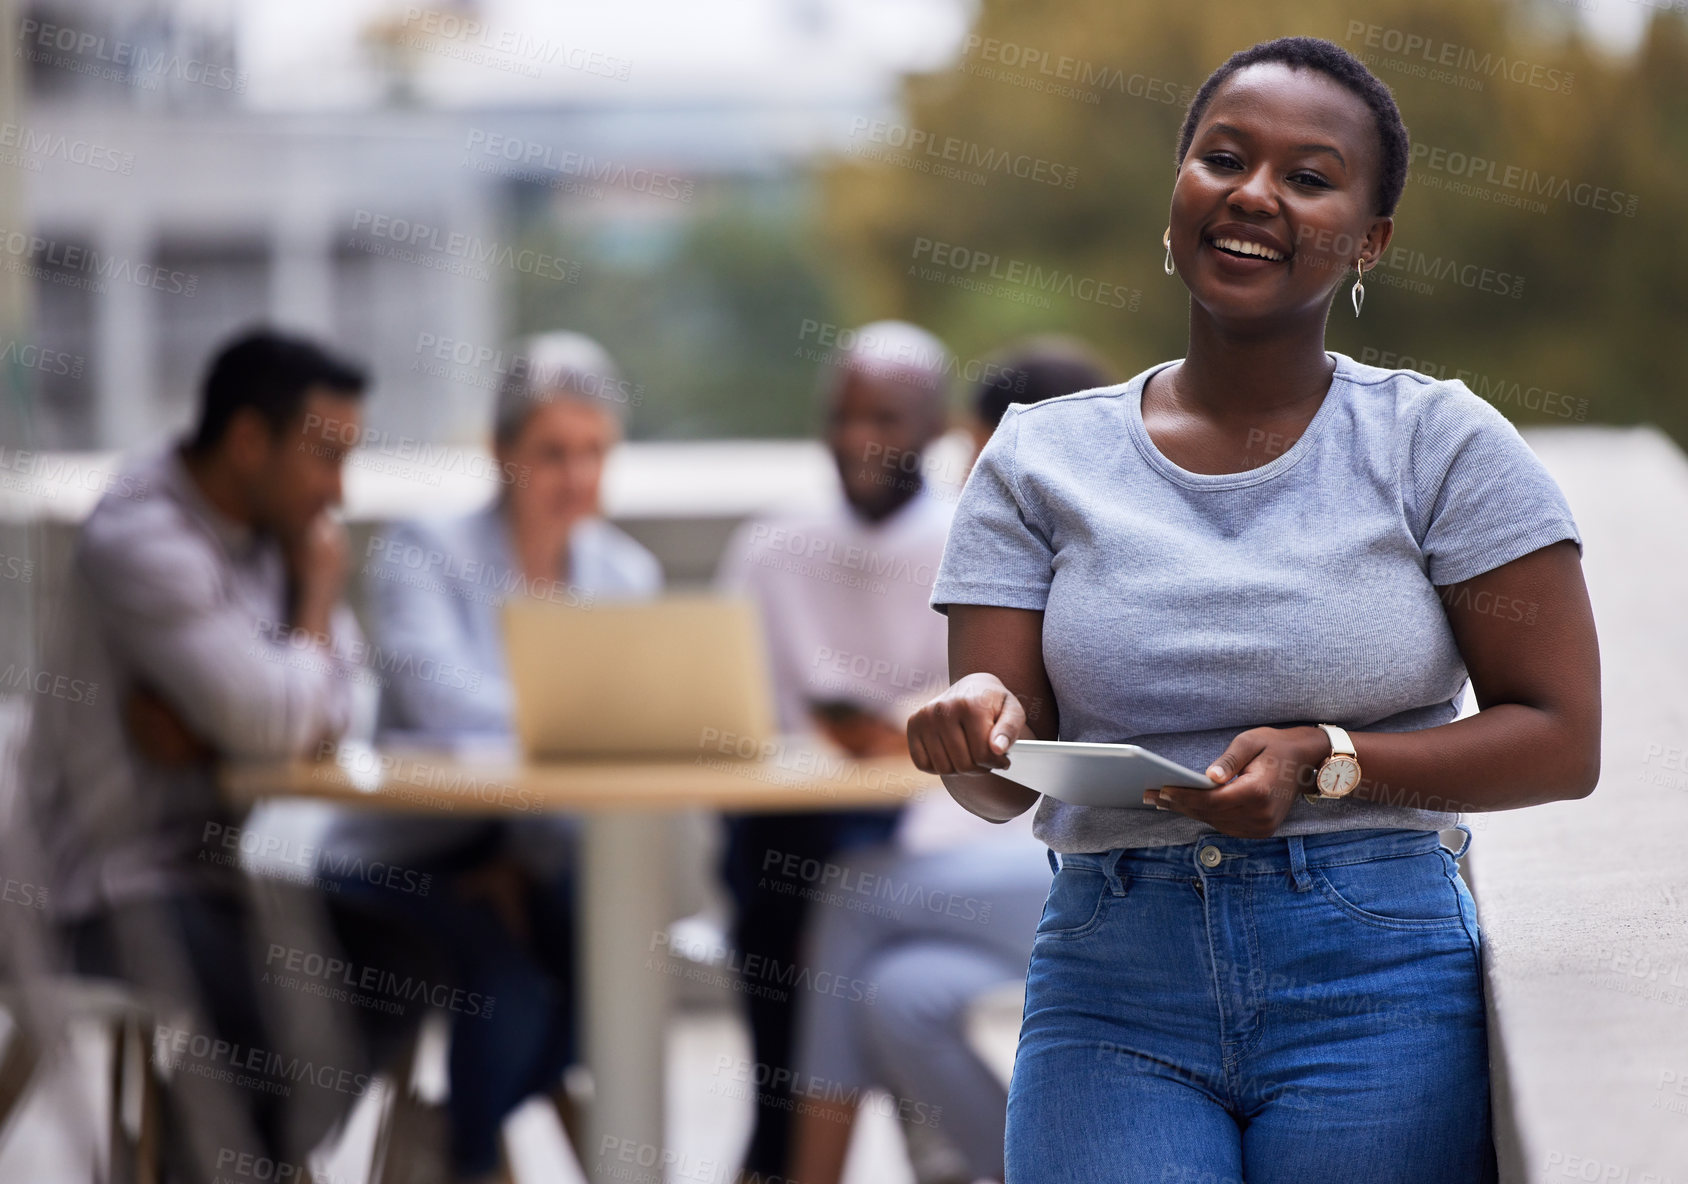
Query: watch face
{"x": 1339, "y": 776}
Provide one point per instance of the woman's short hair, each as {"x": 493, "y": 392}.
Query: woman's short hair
{"x": 1331, "y": 60}
{"x": 552, "y": 366}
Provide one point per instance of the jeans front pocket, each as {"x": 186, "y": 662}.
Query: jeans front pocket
{"x": 1074, "y": 905}
{"x": 1401, "y": 892}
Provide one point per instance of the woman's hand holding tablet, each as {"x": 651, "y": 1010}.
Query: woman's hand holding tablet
{"x": 1116, "y": 775}
{"x": 963, "y": 735}
{"x": 978, "y": 728}
{"x": 1260, "y": 775}
{"x": 967, "y": 729}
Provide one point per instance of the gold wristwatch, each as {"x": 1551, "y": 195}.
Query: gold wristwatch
{"x": 1340, "y": 772}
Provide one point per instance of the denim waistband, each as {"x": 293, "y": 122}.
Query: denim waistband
{"x": 1251, "y": 857}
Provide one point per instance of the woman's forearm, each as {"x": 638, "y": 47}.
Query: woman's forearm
{"x": 1504, "y": 757}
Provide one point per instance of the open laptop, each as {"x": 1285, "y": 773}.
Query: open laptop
{"x": 652, "y": 678}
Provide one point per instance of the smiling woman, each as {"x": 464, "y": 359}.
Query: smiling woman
{"x": 1263, "y": 560}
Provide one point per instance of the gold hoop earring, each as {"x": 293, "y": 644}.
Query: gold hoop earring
{"x": 1166, "y": 238}
{"x": 1358, "y": 294}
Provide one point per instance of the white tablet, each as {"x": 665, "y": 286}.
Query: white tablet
{"x": 1094, "y": 774}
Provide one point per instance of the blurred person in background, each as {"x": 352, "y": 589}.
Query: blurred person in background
{"x": 1032, "y": 370}
{"x": 499, "y": 918}
{"x": 944, "y": 914}
{"x": 841, "y": 594}
{"x": 202, "y": 620}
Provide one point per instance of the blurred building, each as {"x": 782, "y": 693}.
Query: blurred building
{"x": 163, "y": 209}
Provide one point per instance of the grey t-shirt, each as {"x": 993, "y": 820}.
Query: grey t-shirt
{"x": 1182, "y": 608}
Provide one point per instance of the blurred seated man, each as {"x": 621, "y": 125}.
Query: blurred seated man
{"x": 942, "y": 915}
{"x": 853, "y": 650}
{"x": 500, "y": 909}
{"x": 202, "y": 619}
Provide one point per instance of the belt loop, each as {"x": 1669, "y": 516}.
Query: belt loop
{"x": 1110, "y": 869}
{"x": 1054, "y": 864}
{"x": 1298, "y": 864}
{"x": 1464, "y": 846}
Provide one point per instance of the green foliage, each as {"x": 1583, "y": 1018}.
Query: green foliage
{"x": 1599, "y": 292}
{"x": 701, "y": 306}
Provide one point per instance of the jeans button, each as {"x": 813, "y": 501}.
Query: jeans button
{"x": 1209, "y": 856}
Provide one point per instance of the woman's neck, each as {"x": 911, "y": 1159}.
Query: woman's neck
{"x": 1225, "y": 375}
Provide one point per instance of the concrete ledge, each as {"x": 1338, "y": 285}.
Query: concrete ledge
{"x": 1584, "y": 905}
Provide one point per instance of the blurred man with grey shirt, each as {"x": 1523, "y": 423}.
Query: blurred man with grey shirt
{"x": 202, "y": 616}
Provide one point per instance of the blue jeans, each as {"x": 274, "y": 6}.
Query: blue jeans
{"x": 1301, "y": 1010}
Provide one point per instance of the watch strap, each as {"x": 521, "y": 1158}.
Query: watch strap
{"x": 1339, "y": 741}
{"x": 1340, "y": 745}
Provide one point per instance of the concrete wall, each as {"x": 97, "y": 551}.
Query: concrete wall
{"x": 1584, "y": 905}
